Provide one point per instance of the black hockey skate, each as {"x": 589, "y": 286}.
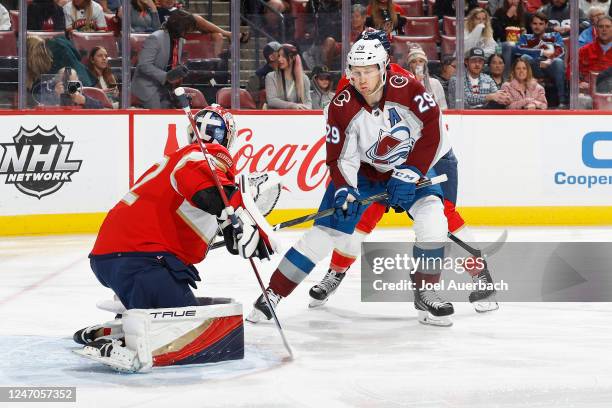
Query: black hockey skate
{"x": 432, "y": 309}
{"x": 109, "y": 330}
{"x": 483, "y": 298}
{"x": 320, "y": 293}
{"x": 261, "y": 311}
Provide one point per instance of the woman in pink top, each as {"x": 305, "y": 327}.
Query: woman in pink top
{"x": 524, "y": 90}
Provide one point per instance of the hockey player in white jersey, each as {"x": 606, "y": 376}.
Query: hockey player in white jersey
{"x": 383, "y": 133}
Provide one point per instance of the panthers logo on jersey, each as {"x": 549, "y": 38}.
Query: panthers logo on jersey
{"x": 392, "y": 147}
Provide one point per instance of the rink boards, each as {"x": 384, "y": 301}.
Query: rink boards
{"x": 61, "y": 171}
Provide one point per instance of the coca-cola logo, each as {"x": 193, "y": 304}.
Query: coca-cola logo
{"x": 283, "y": 158}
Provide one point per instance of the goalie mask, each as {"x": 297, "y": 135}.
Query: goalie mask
{"x": 215, "y": 125}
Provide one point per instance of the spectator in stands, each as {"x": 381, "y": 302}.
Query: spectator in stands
{"x": 531, "y": 6}
{"x": 97, "y": 63}
{"x": 110, "y": 6}
{"x": 596, "y": 56}
{"x": 387, "y": 16}
{"x": 46, "y": 15}
{"x": 144, "y": 16}
{"x": 272, "y": 16}
{"x": 288, "y": 87}
{"x": 358, "y": 19}
{"x": 496, "y": 69}
{"x": 494, "y": 5}
{"x": 158, "y": 70}
{"x": 322, "y": 91}
{"x": 257, "y": 82}
{"x": 448, "y": 67}
{"x": 507, "y": 19}
{"x": 604, "y": 82}
{"x": 39, "y": 62}
{"x": 544, "y": 52}
{"x": 5, "y": 19}
{"x": 416, "y": 62}
{"x": 587, "y": 35}
{"x": 480, "y": 90}
{"x": 524, "y": 91}
{"x": 586, "y": 5}
{"x": 324, "y": 30}
{"x": 558, "y": 14}
{"x": 447, "y": 7}
{"x": 478, "y": 32}
{"x": 84, "y": 15}
{"x": 65, "y": 90}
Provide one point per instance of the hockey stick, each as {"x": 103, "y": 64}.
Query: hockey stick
{"x": 180, "y": 94}
{"x": 326, "y": 213}
{"x": 480, "y": 253}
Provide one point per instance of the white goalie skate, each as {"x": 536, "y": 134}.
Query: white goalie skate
{"x": 112, "y": 353}
{"x": 321, "y": 292}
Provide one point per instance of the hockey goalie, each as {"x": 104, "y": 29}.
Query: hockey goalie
{"x": 150, "y": 241}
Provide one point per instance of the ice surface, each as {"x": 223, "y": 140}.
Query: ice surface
{"x": 348, "y": 353}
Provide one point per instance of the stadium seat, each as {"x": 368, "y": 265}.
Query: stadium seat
{"x": 46, "y": 35}
{"x": 224, "y": 98}
{"x": 428, "y": 44}
{"x": 602, "y": 101}
{"x": 198, "y": 52}
{"x": 136, "y": 42}
{"x": 448, "y": 45}
{"x": 8, "y": 41}
{"x": 198, "y": 46}
{"x": 484, "y": 4}
{"x": 412, "y": 8}
{"x": 449, "y": 26}
{"x": 84, "y": 42}
{"x": 99, "y": 95}
{"x": 14, "y": 15}
{"x": 422, "y": 27}
{"x": 198, "y": 101}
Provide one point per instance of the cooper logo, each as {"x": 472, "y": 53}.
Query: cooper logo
{"x": 37, "y": 163}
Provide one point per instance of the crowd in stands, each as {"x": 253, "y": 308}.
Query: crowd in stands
{"x": 517, "y": 52}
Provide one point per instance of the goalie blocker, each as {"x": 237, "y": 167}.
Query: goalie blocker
{"x": 172, "y": 336}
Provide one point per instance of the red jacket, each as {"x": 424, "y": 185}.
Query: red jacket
{"x": 592, "y": 59}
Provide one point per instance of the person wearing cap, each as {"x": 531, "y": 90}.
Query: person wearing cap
{"x": 257, "y": 82}
{"x": 481, "y": 92}
{"x": 416, "y": 62}
{"x": 322, "y": 91}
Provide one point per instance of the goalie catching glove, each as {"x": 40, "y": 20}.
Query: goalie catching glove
{"x": 248, "y": 240}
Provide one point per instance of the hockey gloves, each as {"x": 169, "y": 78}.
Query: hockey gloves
{"x": 249, "y": 240}
{"x": 402, "y": 186}
{"x": 346, "y": 203}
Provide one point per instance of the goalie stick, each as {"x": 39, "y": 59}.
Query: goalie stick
{"x": 180, "y": 94}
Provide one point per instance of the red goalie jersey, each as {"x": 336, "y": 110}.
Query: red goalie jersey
{"x": 158, "y": 214}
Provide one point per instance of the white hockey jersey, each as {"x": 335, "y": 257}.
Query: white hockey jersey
{"x": 405, "y": 128}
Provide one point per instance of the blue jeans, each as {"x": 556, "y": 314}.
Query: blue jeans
{"x": 555, "y": 71}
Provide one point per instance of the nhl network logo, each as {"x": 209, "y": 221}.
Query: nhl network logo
{"x": 37, "y": 163}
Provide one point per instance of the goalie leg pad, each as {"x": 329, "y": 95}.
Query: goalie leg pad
{"x": 177, "y": 336}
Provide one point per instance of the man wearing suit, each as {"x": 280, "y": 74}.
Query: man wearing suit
{"x": 158, "y": 68}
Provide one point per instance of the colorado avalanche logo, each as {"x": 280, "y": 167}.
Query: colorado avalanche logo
{"x": 391, "y": 147}
{"x": 398, "y": 81}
